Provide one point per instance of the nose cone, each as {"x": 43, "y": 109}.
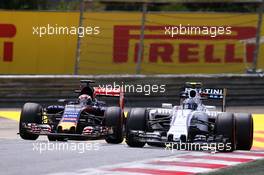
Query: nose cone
{"x": 66, "y": 127}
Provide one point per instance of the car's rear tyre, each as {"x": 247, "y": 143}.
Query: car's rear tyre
{"x": 225, "y": 126}
{"x": 244, "y": 131}
{"x": 114, "y": 118}
{"x": 31, "y": 113}
{"x": 136, "y": 120}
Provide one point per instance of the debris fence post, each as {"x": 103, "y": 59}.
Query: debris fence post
{"x": 141, "y": 42}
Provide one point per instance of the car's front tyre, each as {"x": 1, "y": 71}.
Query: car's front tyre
{"x": 136, "y": 120}
{"x": 225, "y": 126}
{"x": 114, "y": 118}
{"x": 31, "y": 113}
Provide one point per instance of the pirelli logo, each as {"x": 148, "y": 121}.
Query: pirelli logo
{"x": 188, "y": 48}
{"x": 7, "y": 31}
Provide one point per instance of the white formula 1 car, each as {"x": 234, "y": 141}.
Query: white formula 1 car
{"x": 191, "y": 123}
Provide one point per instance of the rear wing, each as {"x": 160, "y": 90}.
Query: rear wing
{"x": 205, "y": 93}
{"x": 215, "y": 94}
{"x": 109, "y": 92}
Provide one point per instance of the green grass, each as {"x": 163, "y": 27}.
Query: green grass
{"x": 251, "y": 168}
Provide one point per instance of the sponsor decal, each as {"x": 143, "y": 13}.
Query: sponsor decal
{"x": 161, "y": 47}
{"x": 7, "y": 31}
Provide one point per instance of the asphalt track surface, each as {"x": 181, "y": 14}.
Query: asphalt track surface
{"x": 97, "y": 157}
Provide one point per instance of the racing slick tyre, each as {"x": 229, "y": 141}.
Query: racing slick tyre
{"x": 31, "y": 113}
{"x": 244, "y": 131}
{"x": 225, "y": 126}
{"x": 136, "y": 120}
{"x": 114, "y": 118}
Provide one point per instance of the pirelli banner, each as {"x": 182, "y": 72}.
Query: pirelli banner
{"x": 23, "y": 51}
{"x": 45, "y": 43}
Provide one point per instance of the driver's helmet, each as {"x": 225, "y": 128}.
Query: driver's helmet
{"x": 190, "y": 104}
{"x": 85, "y": 99}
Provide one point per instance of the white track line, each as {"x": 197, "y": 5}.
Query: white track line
{"x": 197, "y": 160}
{"x": 168, "y": 168}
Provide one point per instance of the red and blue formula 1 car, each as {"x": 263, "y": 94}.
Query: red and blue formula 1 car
{"x": 83, "y": 118}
